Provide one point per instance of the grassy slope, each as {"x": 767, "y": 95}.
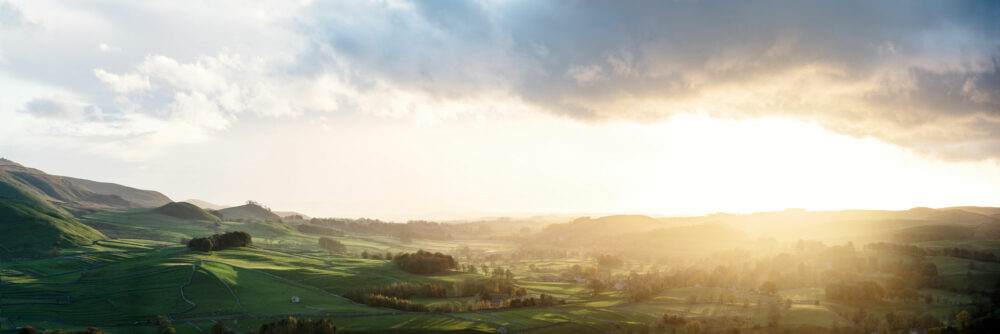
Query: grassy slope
{"x": 245, "y": 282}
{"x": 184, "y": 210}
{"x": 249, "y": 212}
{"x": 28, "y": 222}
{"x": 141, "y": 198}
{"x": 263, "y": 281}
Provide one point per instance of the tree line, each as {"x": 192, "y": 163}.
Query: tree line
{"x": 291, "y": 325}
{"x": 222, "y": 241}
{"x": 403, "y": 290}
{"x": 313, "y": 229}
{"x": 424, "y": 262}
{"x": 919, "y": 252}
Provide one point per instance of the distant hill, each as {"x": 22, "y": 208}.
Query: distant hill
{"x": 206, "y": 205}
{"x": 77, "y": 192}
{"x": 290, "y": 213}
{"x": 633, "y": 233}
{"x": 249, "y": 212}
{"x": 28, "y": 222}
{"x": 142, "y": 198}
{"x": 589, "y": 230}
{"x": 186, "y": 211}
{"x": 691, "y": 239}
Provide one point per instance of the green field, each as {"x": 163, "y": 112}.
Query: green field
{"x": 141, "y": 271}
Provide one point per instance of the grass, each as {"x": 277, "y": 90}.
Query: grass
{"x": 186, "y": 211}
{"x": 28, "y": 223}
{"x": 120, "y": 282}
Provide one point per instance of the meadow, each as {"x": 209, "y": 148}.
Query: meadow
{"x": 143, "y": 270}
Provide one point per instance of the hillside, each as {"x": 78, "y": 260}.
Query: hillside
{"x": 862, "y": 225}
{"x": 184, "y": 210}
{"x": 141, "y": 198}
{"x": 249, "y": 212}
{"x": 28, "y": 222}
{"x": 77, "y": 192}
{"x": 684, "y": 239}
{"x": 291, "y": 213}
{"x": 585, "y": 228}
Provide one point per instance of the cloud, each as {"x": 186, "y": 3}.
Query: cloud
{"x": 61, "y": 108}
{"x": 104, "y": 47}
{"x": 123, "y": 83}
{"x": 921, "y": 75}
{"x": 909, "y": 73}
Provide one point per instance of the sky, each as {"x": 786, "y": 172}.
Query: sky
{"x": 462, "y": 109}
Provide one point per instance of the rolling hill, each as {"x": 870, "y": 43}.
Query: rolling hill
{"x": 249, "y": 212}
{"x": 139, "y": 198}
{"x": 77, "y": 192}
{"x": 186, "y": 211}
{"x": 28, "y": 222}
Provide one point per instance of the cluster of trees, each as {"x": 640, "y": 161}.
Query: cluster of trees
{"x": 543, "y": 300}
{"x": 403, "y": 290}
{"x": 332, "y": 246}
{"x": 424, "y": 262}
{"x": 220, "y": 328}
{"x": 401, "y": 304}
{"x": 965, "y": 254}
{"x": 313, "y": 229}
{"x": 517, "y": 302}
{"x": 376, "y": 256}
{"x": 919, "y": 252}
{"x": 163, "y": 325}
{"x": 221, "y": 241}
{"x": 32, "y": 330}
{"x": 485, "y": 289}
{"x": 291, "y": 325}
{"x": 673, "y": 319}
{"x": 609, "y": 261}
{"x": 890, "y": 322}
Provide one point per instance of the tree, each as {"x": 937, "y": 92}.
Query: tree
{"x": 768, "y": 288}
{"x": 220, "y": 328}
{"x": 332, "y": 246}
{"x": 222, "y": 241}
{"x": 163, "y": 325}
{"x": 693, "y": 327}
{"x": 773, "y": 313}
{"x": 963, "y": 320}
{"x": 424, "y": 262}
{"x": 291, "y": 325}
{"x": 597, "y": 286}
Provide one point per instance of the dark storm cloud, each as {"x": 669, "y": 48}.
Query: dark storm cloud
{"x": 890, "y": 66}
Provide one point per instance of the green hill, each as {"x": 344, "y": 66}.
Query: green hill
{"x": 138, "y": 197}
{"x": 77, "y": 192}
{"x": 184, "y": 210}
{"x": 27, "y": 222}
{"x": 249, "y": 212}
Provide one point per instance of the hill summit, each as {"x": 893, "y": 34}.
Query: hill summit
{"x": 186, "y": 211}
{"x": 252, "y": 211}
{"x": 77, "y": 192}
